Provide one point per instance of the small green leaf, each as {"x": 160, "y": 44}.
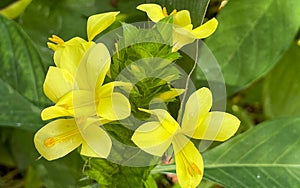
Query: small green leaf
{"x": 150, "y": 182}
{"x": 281, "y": 86}
{"x": 109, "y": 174}
{"x": 252, "y": 37}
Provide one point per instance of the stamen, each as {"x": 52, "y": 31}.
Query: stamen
{"x": 196, "y": 169}
{"x": 56, "y": 39}
{"x": 193, "y": 170}
{"x": 51, "y": 141}
{"x": 174, "y": 12}
{"x": 165, "y": 11}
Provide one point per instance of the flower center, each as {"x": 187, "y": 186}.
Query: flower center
{"x": 51, "y": 141}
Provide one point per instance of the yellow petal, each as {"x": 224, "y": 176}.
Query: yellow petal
{"x": 152, "y": 138}
{"x": 169, "y": 95}
{"x": 218, "y": 126}
{"x": 205, "y": 30}
{"x": 98, "y": 142}
{"x": 189, "y": 162}
{"x": 182, "y": 36}
{"x": 68, "y": 55}
{"x": 99, "y": 22}
{"x": 57, "y": 139}
{"x": 182, "y": 18}
{"x": 87, "y": 151}
{"x": 54, "y": 112}
{"x": 165, "y": 119}
{"x": 114, "y": 107}
{"x": 63, "y": 107}
{"x": 93, "y": 67}
{"x": 154, "y": 11}
{"x": 196, "y": 109}
{"x": 84, "y": 103}
{"x": 107, "y": 89}
{"x": 58, "y": 83}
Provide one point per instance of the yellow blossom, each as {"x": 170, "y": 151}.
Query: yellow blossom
{"x": 84, "y": 97}
{"x": 67, "y": 55}
{"x": 155, "y": 137}
{"x": 60, "y": 137}
{"x": 183, "y": 32}
{"x": 85, "y": 89}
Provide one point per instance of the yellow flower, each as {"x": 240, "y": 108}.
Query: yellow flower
{"x": 83, "y": 97}
{"x": 183, "y": 32}
{"x": 60, "y": 137}
{"x": 155, "y": 137}
{"x": 79, "y": 94}
{"x": 67, "y": 55}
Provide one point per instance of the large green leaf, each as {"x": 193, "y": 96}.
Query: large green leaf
{"x": 251, "y": 38}
{"x": 21, "y": 78}
{"x": 281, "y": 86}
{"x": 61, "y": 173}
{"x": 265, "y": 156}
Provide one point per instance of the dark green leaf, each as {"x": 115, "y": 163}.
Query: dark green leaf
{"x": 252, "y": 37}
{"x": 5, "y": 3}
{"x": 281, "y": 87}
{"x": 32, "y": 179}
{"x": 21, "y": 78}
{"x": 111, "y": 175}
{"x": 61, "y": 173}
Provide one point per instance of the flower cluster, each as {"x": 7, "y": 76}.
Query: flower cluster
{"x": 83, "y": 102}
{"x": 76, "y": 87}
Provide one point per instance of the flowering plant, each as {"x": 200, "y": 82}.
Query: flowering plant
{"x": 138, "y": 99}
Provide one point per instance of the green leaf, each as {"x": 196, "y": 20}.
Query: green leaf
{"x": 21, "y": 78}
{"x": 281, "y": 86}
{"x": 61, "y": 173}
{"x": 252, "y": 37}
{"x": 265, "y": 156}
{"x": 32, "y": 179}
{"x": 150, "y": 182}
{"x": 197, "y": 8}
{"x": 111, "y": 175}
